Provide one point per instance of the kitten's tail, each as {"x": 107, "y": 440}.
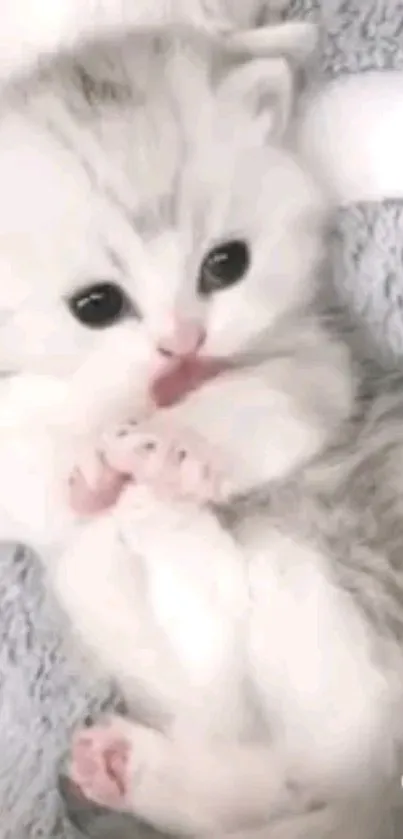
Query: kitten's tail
{"x": 352, "y": 134}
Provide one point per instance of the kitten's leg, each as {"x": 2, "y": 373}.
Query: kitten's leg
{"x": 175, "y": 785}
{"x": 169, "y": 603}
{"x": 333, "y": 710}
{"x": 198, "y": 789}
{"x": 334, "y": 683}
{"x": 196, "y": 581}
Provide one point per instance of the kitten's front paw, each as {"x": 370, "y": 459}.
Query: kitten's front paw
{"x": 174, "y": 461}
{"x": 93, "y": 485}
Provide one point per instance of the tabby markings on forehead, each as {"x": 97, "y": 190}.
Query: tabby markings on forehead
{"x": 67, "y": 142}
{"x": 153, "y": 218}
{"x": 103, "y": 91}
{"x": 64, "y": 138}
{"x": 148, "y": 219}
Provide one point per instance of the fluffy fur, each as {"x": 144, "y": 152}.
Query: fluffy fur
{"x": 261, "y": 636}
{"x": 357, "y": 164}
{"x": 32, "y": 31}
{"x": 110, "y": 209}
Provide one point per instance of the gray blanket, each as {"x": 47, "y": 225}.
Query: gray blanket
{"x": 41, "y": 696}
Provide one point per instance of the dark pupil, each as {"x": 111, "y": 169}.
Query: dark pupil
{"x": 98, "y": 305}
{"x": 224, "y": 266}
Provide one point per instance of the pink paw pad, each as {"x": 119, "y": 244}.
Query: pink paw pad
{"x": 98, "y": 765}
{"x": 171, "y": 460}
{"x": 91, "y": 491}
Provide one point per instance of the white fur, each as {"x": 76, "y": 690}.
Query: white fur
{"x": 352, "y": 129}
{"x": 352, "y": 135}
{"x": 179, "y": 618}
{"x": 33, "y": 30}
{"x": 58, "y": 232}
{"x": 176, "y": 610}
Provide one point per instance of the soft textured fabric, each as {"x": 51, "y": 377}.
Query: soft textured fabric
{"x": 357, "y": 36}
{"x": 41, "y": 695}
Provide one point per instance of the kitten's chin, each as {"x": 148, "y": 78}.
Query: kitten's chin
{"x": 172, "y": 385}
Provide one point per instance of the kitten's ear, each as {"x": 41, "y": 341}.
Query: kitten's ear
{"x": 276, "y": 65}
{"x": 297, "y": 41}
{"x": 264, "y": 88}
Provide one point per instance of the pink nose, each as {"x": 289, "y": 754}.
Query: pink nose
{"x": 186, "y": 338}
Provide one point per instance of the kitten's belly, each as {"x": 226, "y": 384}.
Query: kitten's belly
{"x": 157, "y": 633}
{"x": 103, "y": 592}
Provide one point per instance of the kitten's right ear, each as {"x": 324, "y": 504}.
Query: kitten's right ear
{"x": 263, "y": 88}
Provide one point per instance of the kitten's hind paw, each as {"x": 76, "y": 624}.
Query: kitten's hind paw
{"x": 99, "y": 763}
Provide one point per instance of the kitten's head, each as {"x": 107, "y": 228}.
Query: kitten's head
{"x": 156, "y": 208}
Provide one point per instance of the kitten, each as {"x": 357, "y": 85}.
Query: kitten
{"x": 152, "y": 221}
{"x": 90, "y": 158}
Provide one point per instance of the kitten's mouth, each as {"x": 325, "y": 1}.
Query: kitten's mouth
{"x": 175, "y": 383}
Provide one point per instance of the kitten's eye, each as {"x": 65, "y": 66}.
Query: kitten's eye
{"x": 99, "y": 305}
{"x": 224, "y": 266}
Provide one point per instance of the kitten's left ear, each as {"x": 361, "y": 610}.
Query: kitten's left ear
{"x": 264, "y": 87}
{"x": 297, "y": 41}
